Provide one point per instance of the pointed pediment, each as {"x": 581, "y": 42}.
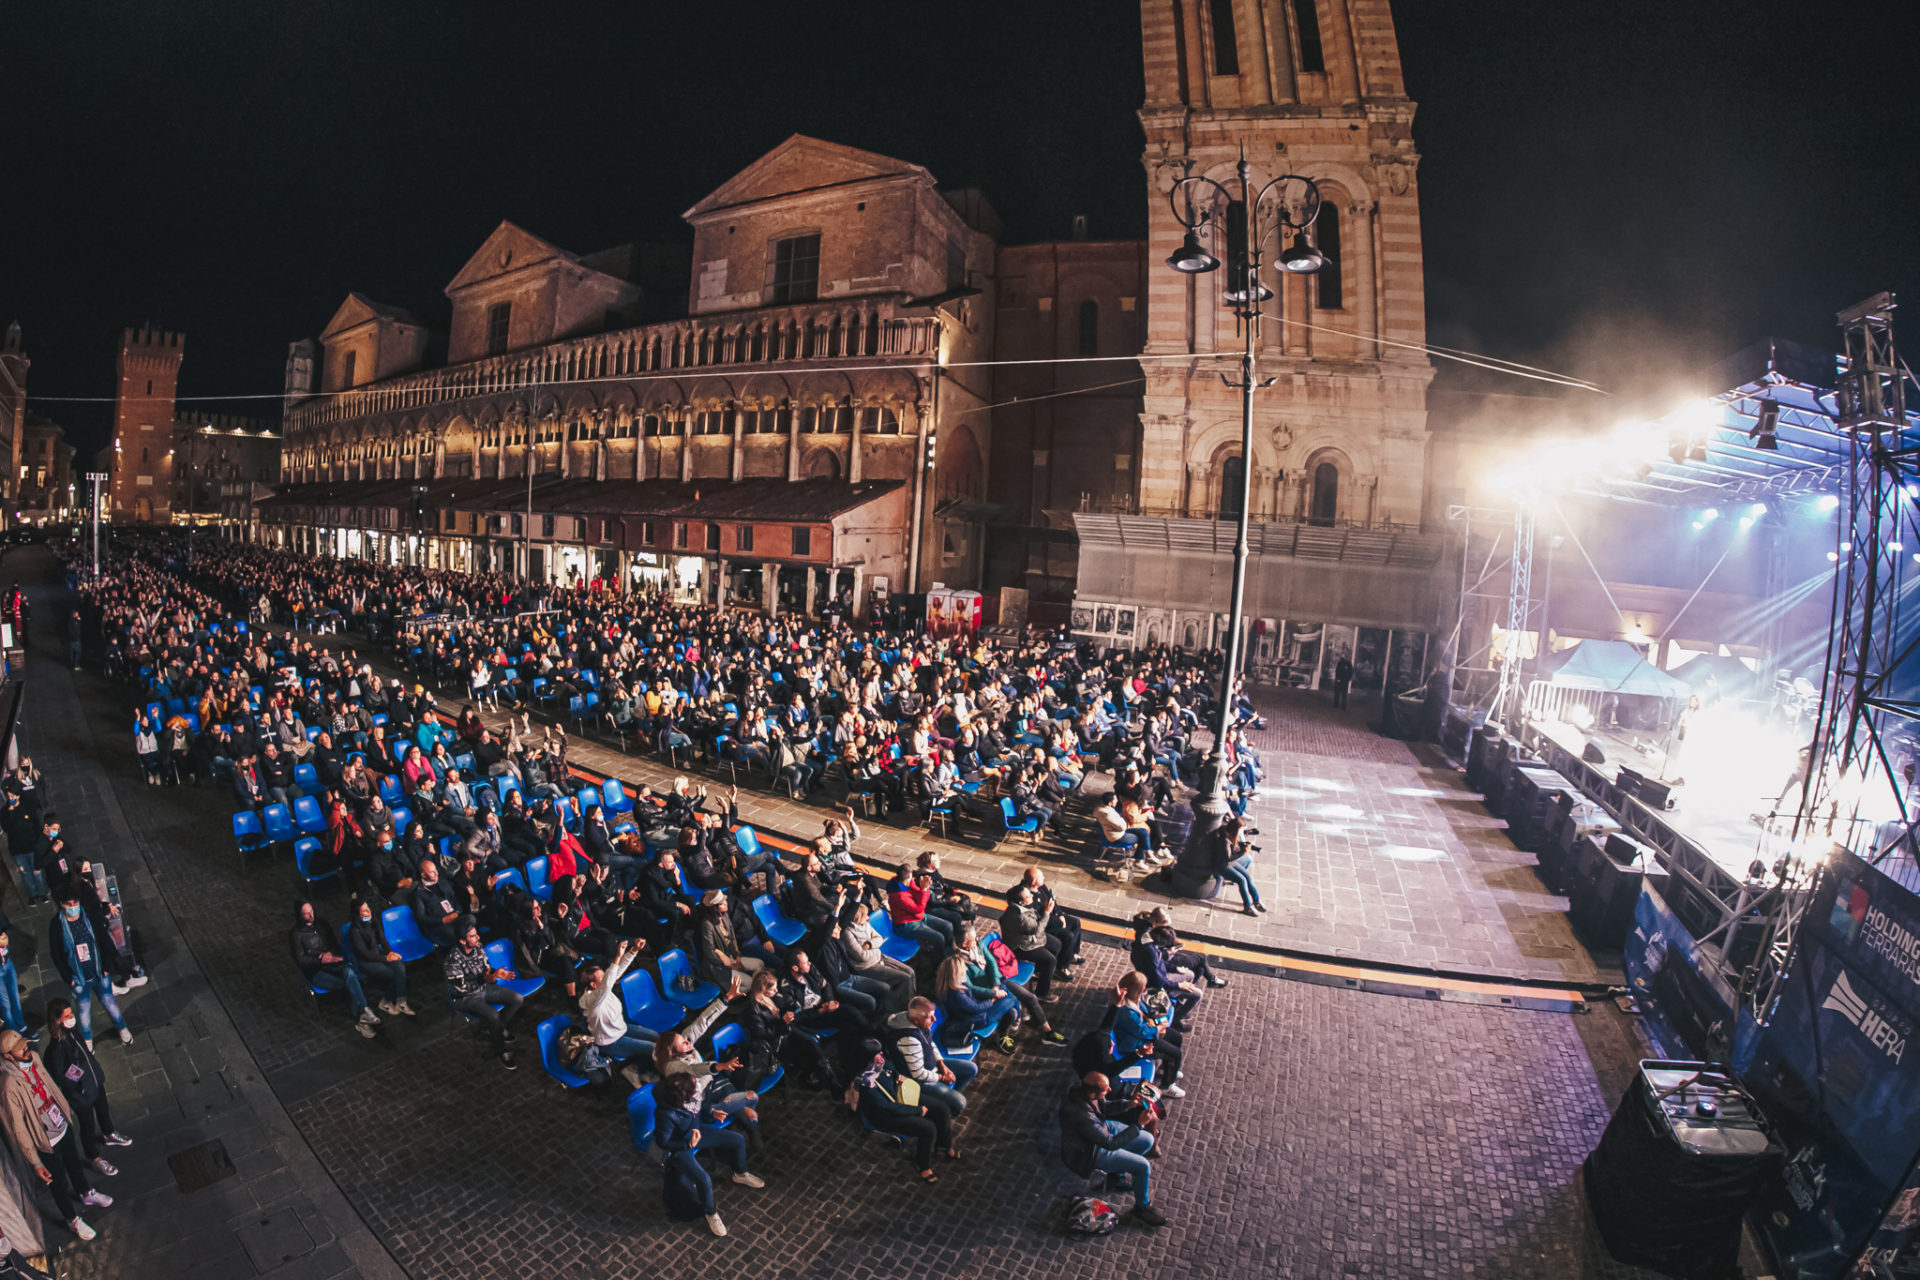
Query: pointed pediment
{"x": 358, "y": 309}
{"x": 803, "y": 164}
{"x": 509, "y": 248}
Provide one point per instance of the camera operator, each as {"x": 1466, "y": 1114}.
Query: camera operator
{"x": 1233, "y": 858}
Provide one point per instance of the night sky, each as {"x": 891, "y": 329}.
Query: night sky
{"x": 1619, "y": 190}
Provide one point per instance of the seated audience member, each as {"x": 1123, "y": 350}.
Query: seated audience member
{"x": 1090, "y": 1141}
{"x": 875, "y": 1096}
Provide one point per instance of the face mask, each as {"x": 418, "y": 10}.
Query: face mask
{"x": 67, "y": 1022}
{"x": 366, "y": 916}
{"x": 72, "y": 913}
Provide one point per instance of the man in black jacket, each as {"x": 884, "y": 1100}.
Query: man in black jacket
{"x": 1089, "y": 1141}
{"x": 434, "y": 909}
{"x": 316, "y": 949}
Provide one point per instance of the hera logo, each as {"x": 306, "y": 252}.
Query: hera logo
{"x": 1849, "y": 1004}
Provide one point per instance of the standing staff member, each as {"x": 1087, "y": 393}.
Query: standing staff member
{"x": 39, "y": 1123}
{"x": 80, "y": 1077}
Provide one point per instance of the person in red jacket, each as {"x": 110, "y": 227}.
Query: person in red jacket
{"x": 907, "y": 897}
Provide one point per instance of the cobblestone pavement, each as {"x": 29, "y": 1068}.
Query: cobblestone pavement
{"x": 1371, "y": 849}
{"x": 1328, "y": 1133}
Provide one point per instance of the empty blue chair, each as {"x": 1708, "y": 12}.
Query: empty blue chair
{"x": 313, "y": 733}
{"x": 278, "y": 822}
{"x": 510, "y": 876}
{"x": 400, "y": 751}
{"x": 749, "y": 842}
{"x": 193, "y": 721}
{"x": 674, "y": 966}
{"x": 390, "y": 793}
{"x": 549, "y": 1035}
{"x": 464, "y": 763}
{"x": 500, "y": 956}
{"x": 537, "y": 882}
{"x": 640, "y": 1108}
{"x": 403, "y": 935}
{"x": 614, "y": 798}
{"x": 892, "y": 945}
{"x": 586, "y": 796}
{"x": 307, "y": 816}
{"x": 248, "y": 835}
{"x": 782, "y": 930}
{"x": 727, "y": 1039}
{"x": 307, "y": 778}
{"x": 379, "y": 719}
{"x": 176, "y": 707}
{"x": 305, "y": 849}
{"x": 1026, "y": 826}
{"x": 645, "y": 1006}
{"x": 402, "y": 819}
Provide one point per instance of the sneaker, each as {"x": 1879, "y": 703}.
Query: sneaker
{"x": 1050, "y": 998}
{"x": 716, "y": 1226}
{"x": 749, "y": 1180}
{"x": 1261, "y": 907}
{"x": 1174, "y": 1091}
{"x": 365, "y": 1029}
{"x": 1147, "y": 1216}
{"x": 120, "y": 988}
{"x": 506, "y": 1060}
{"x": 119, "y": 1140}
{"x": 126, "y": 1036}
{"x": 1063, "y": 975}
{"x": 100, "y": 1163}
{"x": 137, "y": 980}
{"x": 1054, "y": 1036}
{"x": 80, "y": 1228}
{"x": 1216, "y": 982}
{"x": 98, "y": 1199}
{"x": 1002, "y": 1044}
{"x": 369, "y": 1017}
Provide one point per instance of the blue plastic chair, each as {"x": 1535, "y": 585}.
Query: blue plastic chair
{"x": 965, "y": 1053}
{"x": 640, "y": 1108}
{"x": 307, "y": 816}
{"x": 484, "y": 798}
{"x": 400, "y": 751}
{"x": 1029, "y": 827}
{"x": 614, "y": 798}
{"x": 586, "y": 796}
{"x": 549, "y": 1036}
{"x": 248, "y": 835}
{"x": 726, "y": 1039}
{"x": 1022, "y": 970}
{"x": 464, "y": 763}
{"x": 313, "y": 733}
{"x": 673, "y": 964}
{"x": 892, "y": 945}
{"x": 537, "y": 882}
{"x": 642, "y": 1000}
{"x": 307, "y": 778}
{"x": 403, "y": 935}
{"x": 390, "y": 793}
{"x": 510, "y": 876}
{"x": 749, "y": 842}
{"x": 500, "y": 956}
{"x": 782, "y": 930}
{"x": 1140, "y": 1072}
{"x": 279, "y": 824}
{"x": 304, "y": 851}
{"x": 506, "y": 783}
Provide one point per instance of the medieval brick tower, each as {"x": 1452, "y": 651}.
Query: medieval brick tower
{"x": 149, "y": 368}
{"x": 1310, "y": 87}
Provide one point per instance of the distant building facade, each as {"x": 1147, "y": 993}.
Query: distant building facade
{"x": 147, "y": 381}
{"x": 796, "y": 435}
{"x": 48, "y": 488}
{"x": 13, "y": 416}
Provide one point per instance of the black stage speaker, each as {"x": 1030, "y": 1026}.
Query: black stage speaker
{"x": 1602, "y": 887}
{"x": 1655, "y": 795}
{"x": 1682, "y": 1158}
{"x": 1629, "y": 780}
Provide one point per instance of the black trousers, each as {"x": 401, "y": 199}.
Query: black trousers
{"x": 1044, "y": 961}
{"x": 931, "y": 1132}
{"x": 1066, "y": 929}
{"x": 96, "y": 1122}
{"x": 69, "y": 1170}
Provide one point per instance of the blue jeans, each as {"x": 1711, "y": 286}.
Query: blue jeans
{"x": 963, "y": 1074}
{"x": 392, "y": 973}
{"x": 930, "y": 931}
{"x": 11, "y": 1015}
{"x": 1240, "y": 871}
{"x": 633, "y": 1044}
{"x": 84, "y": 988}
{"x": 347, "y": 980}
{"x": 1130, "y": 1159}
{"x": 30, "y": 878}
{"x": 996, "y": 1013}
{"x": 863, "y": 995}
{"x": 728, "y": 1144}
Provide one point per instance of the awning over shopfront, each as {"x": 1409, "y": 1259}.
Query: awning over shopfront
{"x": 773, "y": 500}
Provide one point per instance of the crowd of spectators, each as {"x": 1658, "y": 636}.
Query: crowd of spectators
{"x": 448, "y": 833}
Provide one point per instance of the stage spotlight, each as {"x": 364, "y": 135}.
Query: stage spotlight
{"x": 1699, "y": 524}
{"x": 1896, "y": 546}
{"x": 1711, "y": 513}
{"x": 1834, "y": 556}
{"x": 1765, "y": 432}
{"x": 1828, "y": 502}
{"x": 1757, "y": 510}
{"x": 1746, "y": 522}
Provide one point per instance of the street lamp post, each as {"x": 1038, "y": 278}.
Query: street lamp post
{"x": 94, "y": 480}
{"x": 1294, "y": 205}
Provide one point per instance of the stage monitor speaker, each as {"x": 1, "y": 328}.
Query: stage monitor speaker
{"x": 1655, "y": 795}
{"x": 1629, "y": 781}
{"x": 1592, "y": 753}
{"x": 1602, "y": 888}
{"x": 1681, "y": 1160}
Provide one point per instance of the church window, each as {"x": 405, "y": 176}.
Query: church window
{"x": 794, "y": 272}
{"x": 1226, "y": 47}
{"x": 1232, "y": 480}
{"x": 1089, "y": 328}
{"x": 1328, "y": 295}
{"x": 346, "y": 368}
{"x": 1325, "y": 503}
{"x": 499, "y": 326}
{"x": 1307, "y": 18}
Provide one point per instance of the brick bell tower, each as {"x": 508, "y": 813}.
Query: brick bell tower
{"x": 1310, "y": 87}
{"x": 149, "y": 375}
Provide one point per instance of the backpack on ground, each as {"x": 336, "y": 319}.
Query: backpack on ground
{"x": 1088, "y": 1216}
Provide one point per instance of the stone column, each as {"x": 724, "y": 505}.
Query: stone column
{"x": 739, "y": 444}
{"x": 853, "y": 449}
{"x": 793, "y": 444}
{"x": 813, "y": 582}
{"x": 770, "y": 588}
{"x": 685, "y": 437}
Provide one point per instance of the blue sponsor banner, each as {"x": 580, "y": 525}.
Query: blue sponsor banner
{"x": 1835, "y": 1072}
{"x": 1682, "y": 1010}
